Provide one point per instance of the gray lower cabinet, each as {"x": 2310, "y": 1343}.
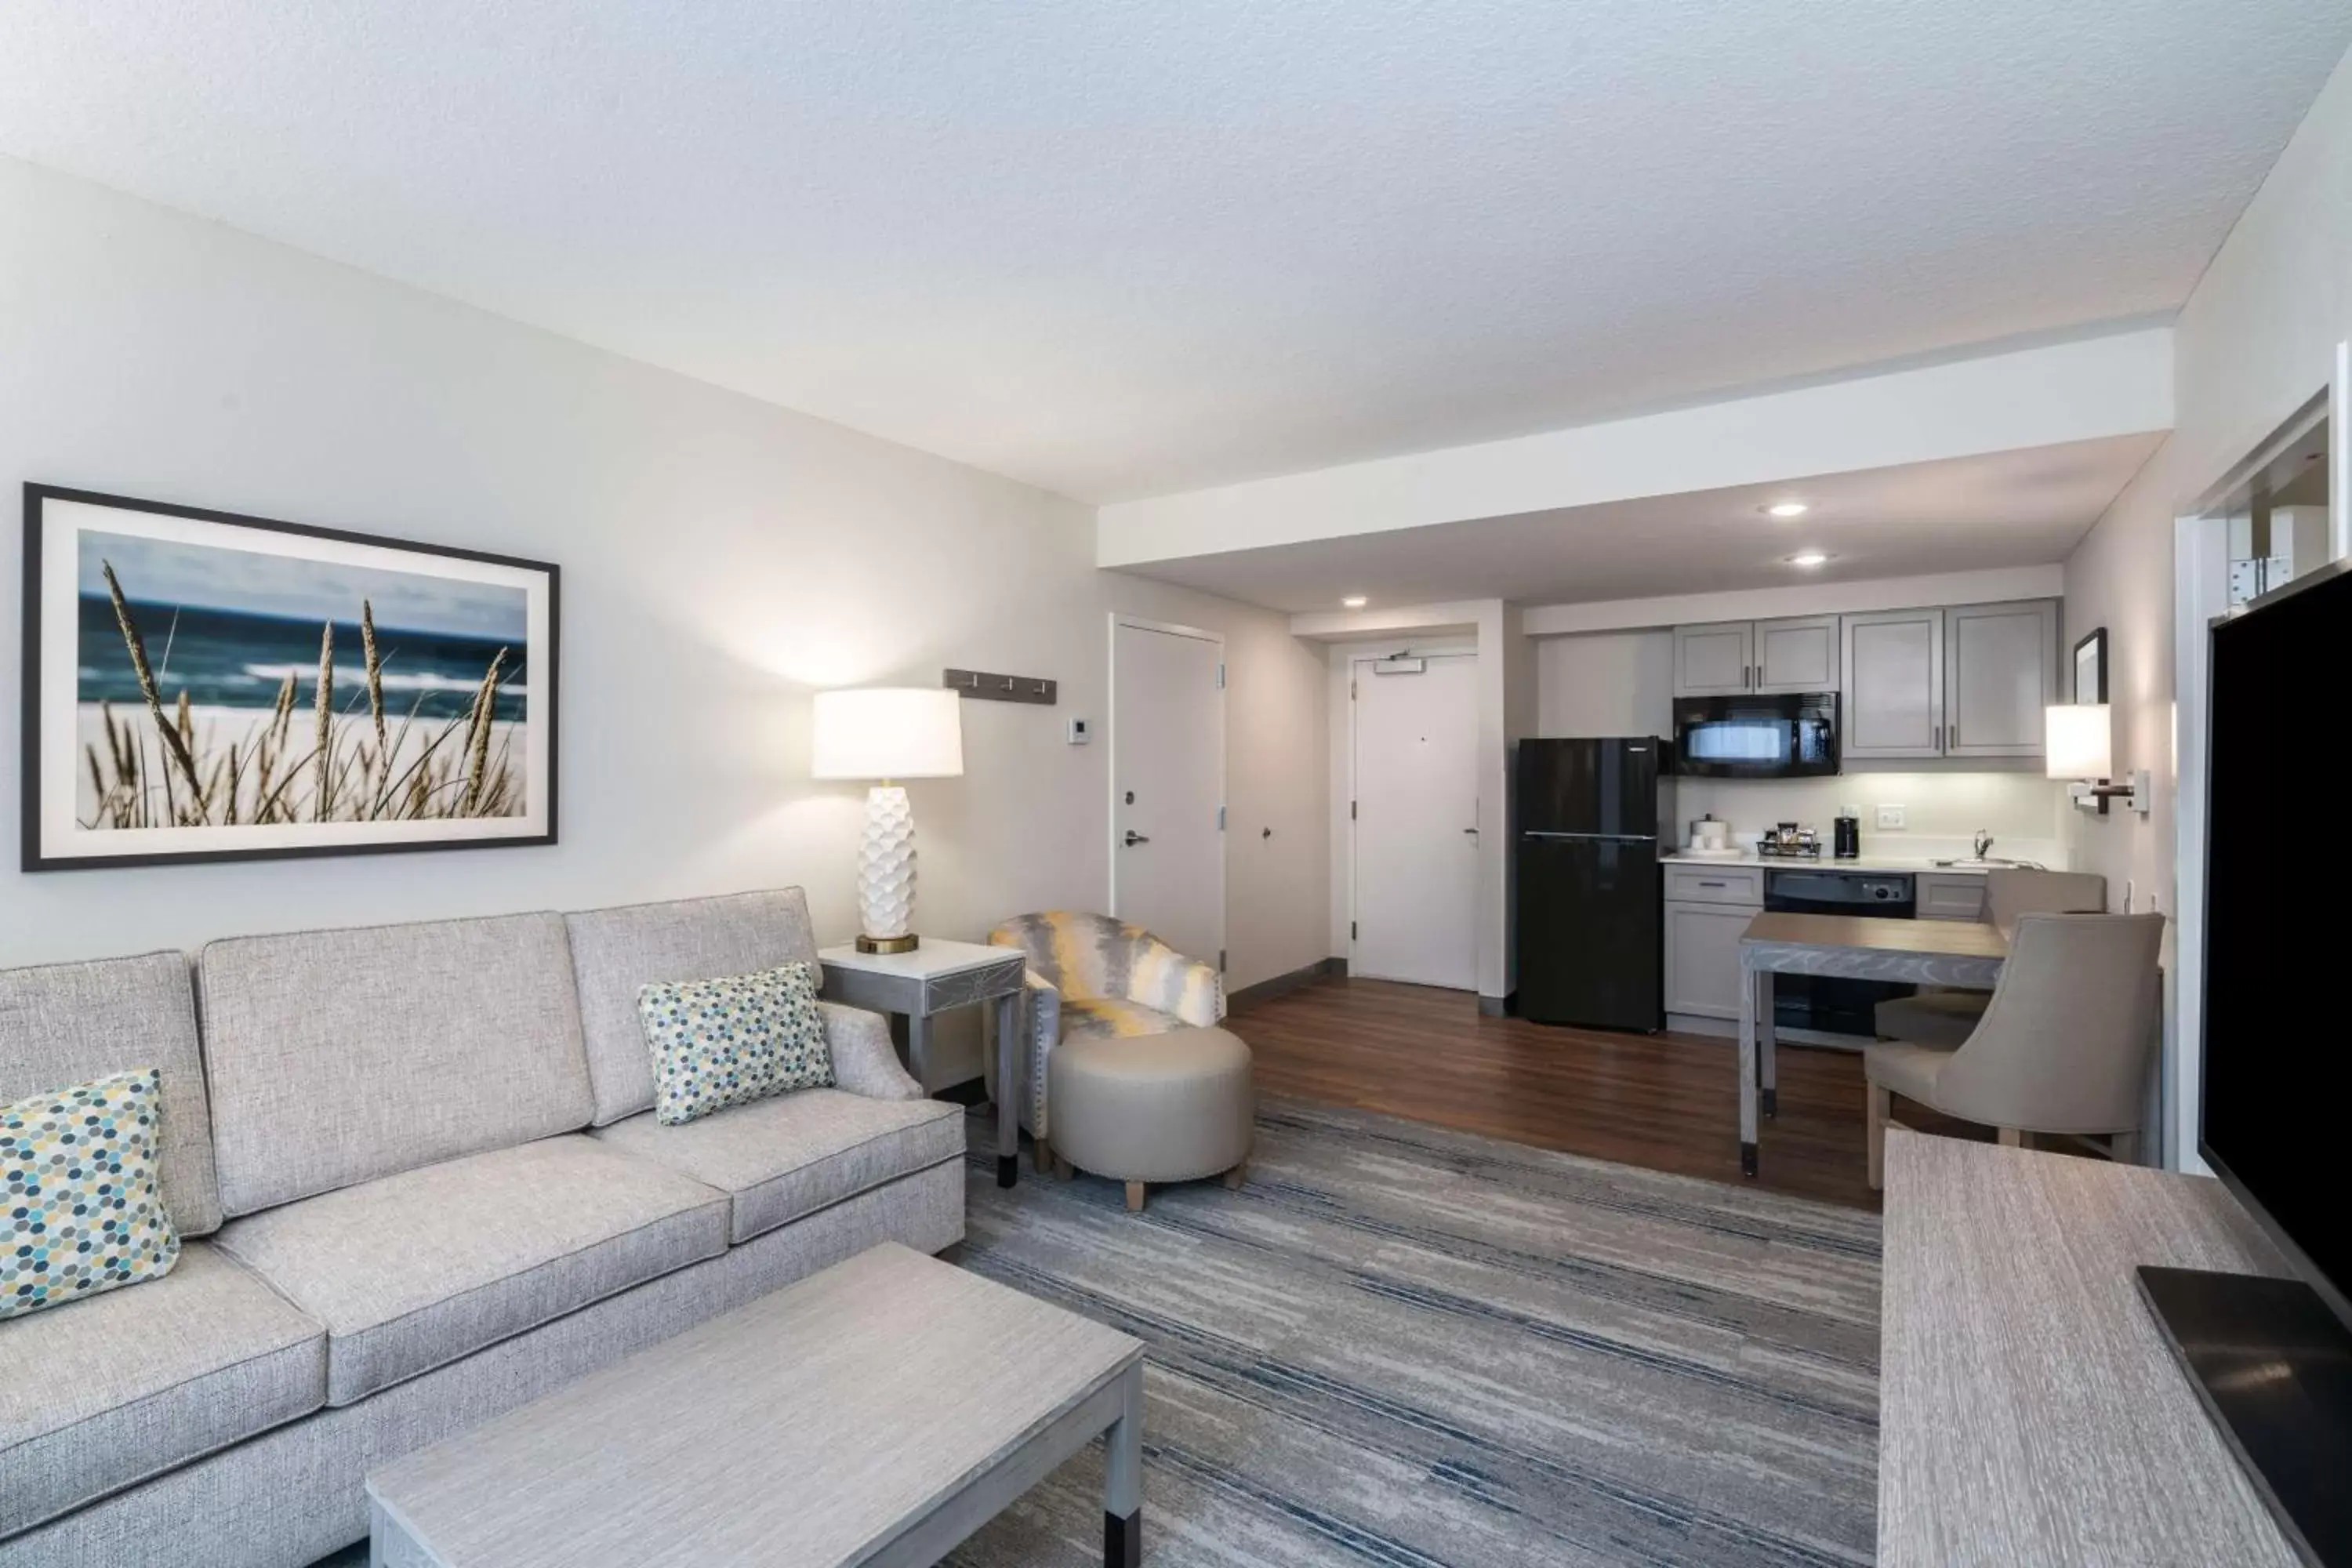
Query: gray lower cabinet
{"x": 1894, "y": 685}
{"x": 1703, "y": 958}
{"x": 2001, "y": 671}
{"x": 1953, "y": 897}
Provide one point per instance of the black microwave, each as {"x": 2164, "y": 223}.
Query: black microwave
{"x": 1793, "y": 735}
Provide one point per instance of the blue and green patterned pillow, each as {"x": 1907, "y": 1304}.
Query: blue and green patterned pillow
{"x": 81, "y": 1212}
{"x": 718, "y": 1042}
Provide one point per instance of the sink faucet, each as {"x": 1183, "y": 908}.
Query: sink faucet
{"x": 1983, "y": 842}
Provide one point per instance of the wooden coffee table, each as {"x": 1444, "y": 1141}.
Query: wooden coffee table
{"x": 878, "y": 1412}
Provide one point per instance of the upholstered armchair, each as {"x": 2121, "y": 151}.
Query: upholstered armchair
{"x": 1091, "y": 976}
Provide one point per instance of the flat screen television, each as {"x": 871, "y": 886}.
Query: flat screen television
{"x": 2273, "y": 1358}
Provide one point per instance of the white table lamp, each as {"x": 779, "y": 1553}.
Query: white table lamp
{"x": 886, "y": 734}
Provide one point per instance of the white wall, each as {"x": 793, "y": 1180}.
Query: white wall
{"x": 722, "y": 557}
{"x": 1605, "y": 683}
{"x": 2117, "y": 383}
{"x": 2255, "y": 341}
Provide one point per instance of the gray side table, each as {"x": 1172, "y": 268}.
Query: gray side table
{"x": 928, "y": 981}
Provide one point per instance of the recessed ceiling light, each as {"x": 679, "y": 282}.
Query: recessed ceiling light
{"x": 1806, "y": 558}
{"x": 1354, "y": 601}
{"x": 1785, "y": 508}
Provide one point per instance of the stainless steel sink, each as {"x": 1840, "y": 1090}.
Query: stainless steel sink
{"x": 1991, "y": 860}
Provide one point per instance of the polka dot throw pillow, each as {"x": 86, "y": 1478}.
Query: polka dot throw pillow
{"x": 79, "y": 1209}
{"x": 718, "y": 1042}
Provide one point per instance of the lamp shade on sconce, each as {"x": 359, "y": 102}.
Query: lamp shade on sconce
{"x": 888, "y": 732}
{"x": 2078, "y": 742}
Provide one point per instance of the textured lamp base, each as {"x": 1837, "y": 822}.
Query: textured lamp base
{"x": 885, "y": 872}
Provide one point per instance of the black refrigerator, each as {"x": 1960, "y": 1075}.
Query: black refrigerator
{"x": 1591, "y": 814}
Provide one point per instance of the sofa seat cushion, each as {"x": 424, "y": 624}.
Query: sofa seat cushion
{"x": 1108, "y": 1018}
{"x": 781, "y": 1159}
{"x": 413, "y": 1271}
{"x": 100, "y": 1394}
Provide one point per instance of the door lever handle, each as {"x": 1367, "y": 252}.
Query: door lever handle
{"x": 1471, "y": 831}
{"x": 1134, "y": 839}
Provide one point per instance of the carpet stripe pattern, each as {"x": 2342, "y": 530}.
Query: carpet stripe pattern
{"x": 1405, "y": 1347}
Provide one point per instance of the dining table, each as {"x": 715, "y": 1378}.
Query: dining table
{"x": 1964, "y": 954}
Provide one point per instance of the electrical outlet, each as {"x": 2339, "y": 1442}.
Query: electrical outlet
{"x": 1890, "y": 818}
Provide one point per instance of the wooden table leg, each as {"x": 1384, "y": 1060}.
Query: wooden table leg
{"x": 1748, "y": 986}
{"x": 1123, "y": 1477}
{"x": 1010, "y": 1046}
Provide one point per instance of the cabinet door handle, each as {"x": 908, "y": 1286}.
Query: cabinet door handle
{"x": 1938, "y": 743}
{"x": 1746, "y": 677}
{"x": 1715, "y": 884}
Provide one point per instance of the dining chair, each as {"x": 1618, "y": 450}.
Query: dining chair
{"x": 2062, "y": 1047}
{"x": 1946, "y": 1018}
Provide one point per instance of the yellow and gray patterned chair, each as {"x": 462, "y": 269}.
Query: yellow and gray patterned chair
{"x": 1129, "y": 1074}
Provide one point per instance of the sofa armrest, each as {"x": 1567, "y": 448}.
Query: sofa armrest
{"x": 864, "y": 1060}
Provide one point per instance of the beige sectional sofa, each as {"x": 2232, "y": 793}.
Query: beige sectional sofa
{"x": 420, "y": 1185}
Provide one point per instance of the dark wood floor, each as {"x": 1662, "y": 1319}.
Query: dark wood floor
{"x": 1668, "y": 1102}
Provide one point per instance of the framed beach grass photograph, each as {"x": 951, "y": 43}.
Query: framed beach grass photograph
{"x": 204, "y": 686}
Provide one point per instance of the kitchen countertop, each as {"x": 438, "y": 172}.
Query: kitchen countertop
{"x": 1912, "y": 865}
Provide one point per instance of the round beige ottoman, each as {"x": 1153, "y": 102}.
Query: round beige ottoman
{"x": 1152, "y": 1108}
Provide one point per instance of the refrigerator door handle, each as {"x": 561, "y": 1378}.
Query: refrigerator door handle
{"x": 1599, "y": 838}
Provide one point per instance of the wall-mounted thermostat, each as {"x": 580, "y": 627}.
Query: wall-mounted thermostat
{"x": 1079, "y": 733}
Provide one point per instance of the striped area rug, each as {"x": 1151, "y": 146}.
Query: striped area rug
{"x": 1407, "y": 1347}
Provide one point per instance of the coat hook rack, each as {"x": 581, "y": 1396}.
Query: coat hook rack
{"x": 1000, "y": 688}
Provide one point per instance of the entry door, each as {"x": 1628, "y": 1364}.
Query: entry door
{"x": 1168, "y": 785}
{"x": 1416, "y": 829}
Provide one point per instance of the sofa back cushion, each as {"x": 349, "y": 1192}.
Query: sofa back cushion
{"x": 64, "y": 1023}
{"x": 616, "y": 952}
{"x": 337, "y": 1057}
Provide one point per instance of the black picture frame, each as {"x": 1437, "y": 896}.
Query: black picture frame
{"x": 2093, "y": 644}
{"x": 544, "y": 704}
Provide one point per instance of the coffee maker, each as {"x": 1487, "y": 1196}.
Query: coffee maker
{"x": 1845, "y": 835}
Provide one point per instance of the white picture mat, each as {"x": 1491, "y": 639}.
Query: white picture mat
{"x": 63, "y": 521}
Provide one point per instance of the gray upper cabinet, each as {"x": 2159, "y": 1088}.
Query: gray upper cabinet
{"x": 1714, "y": 661}
{"x": 1797, "y": 655}
{"x": 2000, "y": 671}
{"x": 1894, "y": 685}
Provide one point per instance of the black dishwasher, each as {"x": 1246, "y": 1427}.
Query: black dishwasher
{"x": 1832, "y": 1006}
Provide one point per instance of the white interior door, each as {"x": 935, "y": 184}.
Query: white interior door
{"x": 1416, "y": 828}
{"x": 1168, "y": 784}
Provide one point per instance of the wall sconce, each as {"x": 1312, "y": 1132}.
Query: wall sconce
{"x": 2078, "y": 744}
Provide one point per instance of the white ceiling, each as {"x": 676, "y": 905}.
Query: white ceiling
{"x": 2009, "y": 509}
{"x": 1122, "y": 247}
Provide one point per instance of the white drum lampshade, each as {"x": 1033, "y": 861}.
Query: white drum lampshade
{"x": 2078, "y": 742}
{"x": 886, "y": 734}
